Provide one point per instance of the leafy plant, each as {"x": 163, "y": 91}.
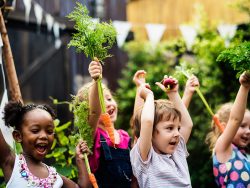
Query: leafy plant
{"x": 63, "y": 150}
{"x": 93, "y": 39}
{"x": 238, "y": 57}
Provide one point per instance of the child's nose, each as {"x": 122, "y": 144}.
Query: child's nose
{"x": 43, "y": 135}
{"x": 176, "y": 133}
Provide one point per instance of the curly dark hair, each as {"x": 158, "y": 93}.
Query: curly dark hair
{"x": 14, "y": 112}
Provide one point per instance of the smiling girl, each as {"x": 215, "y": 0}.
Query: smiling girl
{"x": 34, "y": 130}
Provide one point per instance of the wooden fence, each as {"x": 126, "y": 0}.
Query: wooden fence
{"x": 176, "y": 12}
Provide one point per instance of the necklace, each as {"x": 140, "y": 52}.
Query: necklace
{"x": 36, "y": 181}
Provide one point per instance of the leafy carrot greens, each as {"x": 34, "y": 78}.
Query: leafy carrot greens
{"x": 93, "y": 39}
{"x": 238, "y": 57}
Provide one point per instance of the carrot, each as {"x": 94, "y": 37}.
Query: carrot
{"x": 93, "y": 180}
{"x": 217, "y": 122}
{"x": 108, "y": 126}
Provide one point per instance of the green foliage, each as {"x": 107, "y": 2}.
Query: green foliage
{"x": 238, "y": 57}
{"x": 81, "y": 113}
{"x": 94, "y": 39}
{"x": 63, "y": 150}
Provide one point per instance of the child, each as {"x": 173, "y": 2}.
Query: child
{"x": 34, "y": 129}
{"x": 231, "y": 166}
{"x": 139, "y": 79}
{"x": 110, "y": 165}
{"x": 159, "y": 156}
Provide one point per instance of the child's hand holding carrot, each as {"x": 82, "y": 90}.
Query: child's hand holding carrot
{"x": 95, "y": 70}
{"x": 81, "y": 149}
{"x": 191, "y": 84}
{"x": 245, "y": 80}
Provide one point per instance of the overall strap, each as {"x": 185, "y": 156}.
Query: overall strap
{"x": 105, "y": 147}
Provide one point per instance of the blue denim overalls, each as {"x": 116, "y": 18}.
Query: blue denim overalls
{"x": 115, "y": 169}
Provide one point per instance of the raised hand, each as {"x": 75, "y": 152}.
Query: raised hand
{"x": 95, "y": 70}
{"x": 139, "y": 77}
{"x": 168, "y": 84}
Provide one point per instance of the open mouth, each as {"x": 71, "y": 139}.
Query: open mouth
{"x": 41, "y": 148}
{"x": 111, "y": 111}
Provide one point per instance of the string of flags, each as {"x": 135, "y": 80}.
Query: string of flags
{"x": 154, "y": 31}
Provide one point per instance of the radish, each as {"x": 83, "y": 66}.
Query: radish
{"x": 169, "y": 83}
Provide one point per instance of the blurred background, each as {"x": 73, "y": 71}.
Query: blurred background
{"x": 154, "y": 35}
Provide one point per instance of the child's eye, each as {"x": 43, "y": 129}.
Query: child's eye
{"x": 50, "y": 132}
{"x": 35, "y": 131}
{"x": 179, "y": 128}
{"x": 170, "y": 128}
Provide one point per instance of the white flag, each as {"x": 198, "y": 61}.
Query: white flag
{"x": 38, "y": 13}
{"x": 227, "y": 32}
{"x": 122, "y": 28}
{"x": 155, "y": 32}
{"x": 56, "y": 29}
{"x": 49, "y": 20}
{"x": 27, "y": 4}
{"x": 189, "y": 34}
{"x": 7, "y": 132}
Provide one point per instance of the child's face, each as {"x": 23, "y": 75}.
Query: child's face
{"x": 166, "y": 136}
{"x": 37, "y": 133}
{"x": 242, "y": 137}
{"x": 111, "y": 105}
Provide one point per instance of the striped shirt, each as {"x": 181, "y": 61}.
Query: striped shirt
{"x": 161, "y": 170}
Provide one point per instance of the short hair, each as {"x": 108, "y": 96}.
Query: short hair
{"x": 164, "y": 110}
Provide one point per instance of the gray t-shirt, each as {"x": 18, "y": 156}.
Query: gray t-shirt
{"x": 161, "y": 170}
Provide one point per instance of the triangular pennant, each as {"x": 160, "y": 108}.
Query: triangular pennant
{"x": 56, "y": 29}
{"x": 1, "y": 41}
{"x": 189, "y": 34}
{"x": 7, "y": 132}
{"x": 27, "y": 4}
{"x": 49, "y": 20}
{"x": 38, "y": 13}
{"x": 155, "y": 32}
{"x": 227, "y": 32}
{"x": 122, "y": 29}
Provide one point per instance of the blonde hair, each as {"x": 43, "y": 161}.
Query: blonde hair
{"x": 83, "y": 92}
{"x": 223, "y": 114}
{"x": 164, "y": 110}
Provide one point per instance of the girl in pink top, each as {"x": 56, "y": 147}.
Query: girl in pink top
{"x": 109, "y": 162}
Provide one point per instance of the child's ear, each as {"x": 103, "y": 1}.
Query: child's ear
{"x": 17, "y": 136}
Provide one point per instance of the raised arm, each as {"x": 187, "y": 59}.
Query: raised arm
{"x": 95, "y": 71}
{"x": 191, "y": 84}
{"x": 7, "y": 158}
{"x": 147, "y": 120}
{"x": 173, "y": 95}
{"x": 138, "y": 79}
{"x": 223, "y": 147}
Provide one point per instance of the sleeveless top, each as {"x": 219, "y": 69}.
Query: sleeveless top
{"x": 21, "y": 177}
{"x": 235, "y": 172}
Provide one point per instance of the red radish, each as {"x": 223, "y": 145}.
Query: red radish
{"x": 148, "y": 86}
{"x": 169, "y": 83}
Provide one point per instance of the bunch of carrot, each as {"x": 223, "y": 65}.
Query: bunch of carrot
{"x": 215, "y": 118}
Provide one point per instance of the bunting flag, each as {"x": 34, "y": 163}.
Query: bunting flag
{"x": 7, "y": 132}
{"x": 50, "y": 21}
{"x": 122, "y": 29}
{"x": 189, "y": 34}
{"x": 227, "y": 32}
{"x": 155, "y": 33}
{"x": 56, "y": 29}
{"x": 27, "y": 4}
{"x": 38, "y": 13}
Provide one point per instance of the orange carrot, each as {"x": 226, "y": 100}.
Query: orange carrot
{"x": 108, "y": 126}
{"x": 93, "y": 180}
{"x": 217, "y": 122}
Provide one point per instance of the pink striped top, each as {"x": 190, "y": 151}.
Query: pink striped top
{"x": 94, "y": 158}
